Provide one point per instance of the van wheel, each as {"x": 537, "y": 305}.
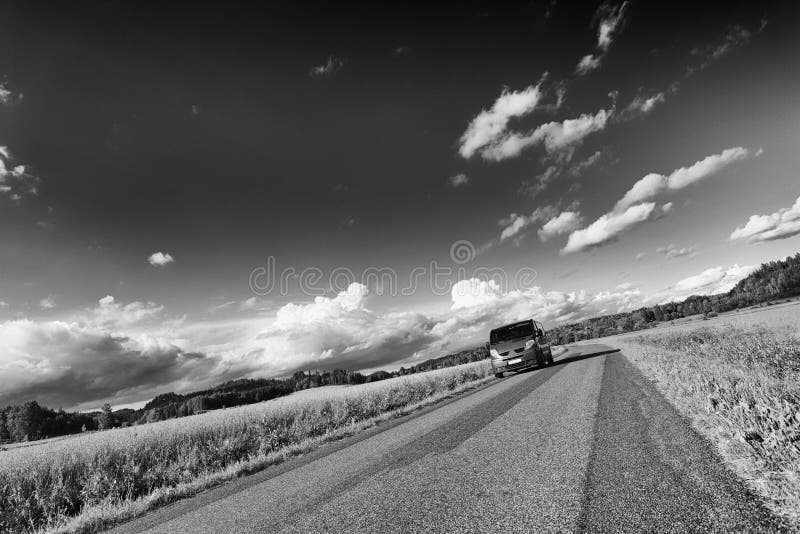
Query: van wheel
{"x": 498, "y": 375}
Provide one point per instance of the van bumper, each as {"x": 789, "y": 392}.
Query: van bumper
{"x": 528, "y": 358}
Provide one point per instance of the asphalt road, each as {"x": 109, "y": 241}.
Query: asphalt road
{"x": 585, "y": 445}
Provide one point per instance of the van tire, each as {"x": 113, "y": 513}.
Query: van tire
{"x": 498, "y": 375}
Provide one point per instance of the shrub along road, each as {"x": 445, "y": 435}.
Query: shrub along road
{"x": 585, "y": 445}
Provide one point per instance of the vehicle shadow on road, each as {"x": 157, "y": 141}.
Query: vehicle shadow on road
{"x": 570, "y": 359}
{"x": 579, "y": 357}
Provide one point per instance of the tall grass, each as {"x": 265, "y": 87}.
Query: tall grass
{"x": 89, "y": 482}
{"x": 740, "y": 387}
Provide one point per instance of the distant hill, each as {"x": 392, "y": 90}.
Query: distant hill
{"x": 251, "y": 390}
{"x": 30, "y": 421}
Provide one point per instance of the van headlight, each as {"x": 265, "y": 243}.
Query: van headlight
{"x": 494, "y": 353}
{"x": 529, "y": 344}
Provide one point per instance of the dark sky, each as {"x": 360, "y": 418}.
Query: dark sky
{"x": 329, "y": 136}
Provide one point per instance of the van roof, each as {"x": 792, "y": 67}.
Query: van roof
{"x": 509, "y": 325}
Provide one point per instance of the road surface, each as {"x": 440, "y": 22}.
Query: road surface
{"x": 585, "y": 445}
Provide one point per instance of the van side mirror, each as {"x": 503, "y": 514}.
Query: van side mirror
{"x": 487, "y": 345}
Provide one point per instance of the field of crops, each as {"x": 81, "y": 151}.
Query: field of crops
{"x": 737, "y": 379}
{"x": 85, "y": 483}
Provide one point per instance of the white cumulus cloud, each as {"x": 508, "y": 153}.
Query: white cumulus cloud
{"x": 581, "y": 166}
{"x": 653, "y": 184}
{"x": 458, "y": 180}
{"x": 66, "y": 363}
{"x": 15, "y": 181}
{"x": 672, "y": 251}
{"x": 515, "y": 226}
{"x": 9, "y": 97}
{"x": 588, "y": 63}
{"x": 5, "y": 94}
{"x": 713, "y": 280}
{"x": 532, "y": 187}
{"x": 491, "y": 124}
{"x": 609, "y": 25}
{"x": 611, "y": 18}
{"x": 642, "y": 105}
{"x": 112, "y": 314}
{"x": 248, "y": 304}
{"x": 556, "y": 136}
{"x": 782, "y": 224}
{"x": 160, "y": 259}
{"x": 609, "y": 227}
{"x": 734, "y": 38}
{"x": 484, "y": 304}
{"x": 565, "y": 222}
{"x": 48, "y": 303}
{"x": 331, "y": 66}
{"x": 708, "y": 166}
{"x": 338, "y": 331}
{"x": 516, "y": 223}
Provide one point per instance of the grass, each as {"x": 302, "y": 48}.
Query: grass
{"x": 88, "y": 483}
{"x": 739, "y": 385}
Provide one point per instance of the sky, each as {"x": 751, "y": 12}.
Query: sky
{"x": 191, "y": 194}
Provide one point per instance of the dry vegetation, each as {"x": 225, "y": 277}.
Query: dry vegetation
{"x": 86, "y": 483}
{"x": 739, "y": 384}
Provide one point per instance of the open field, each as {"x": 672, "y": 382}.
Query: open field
{"x": 585, "y": 445}
{"x": 88, "y": 482}
{"x": 734, "y": 377}
{"x": 778, "y": 313}
{"x": 737, "y": 379}
{"x": 26, "y": 444}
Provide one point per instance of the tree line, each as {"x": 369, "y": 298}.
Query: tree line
{"x": 30, "y": 421}
{"x": 772, "y": 281}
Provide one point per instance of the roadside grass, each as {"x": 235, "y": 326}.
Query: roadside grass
{"x": 739, "y": 385}
{"x": 89, "y": 483}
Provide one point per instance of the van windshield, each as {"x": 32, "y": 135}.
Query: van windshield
{"x": 511, "y": 332}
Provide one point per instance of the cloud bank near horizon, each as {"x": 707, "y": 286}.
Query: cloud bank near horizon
{"x": 129, "y": 352}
